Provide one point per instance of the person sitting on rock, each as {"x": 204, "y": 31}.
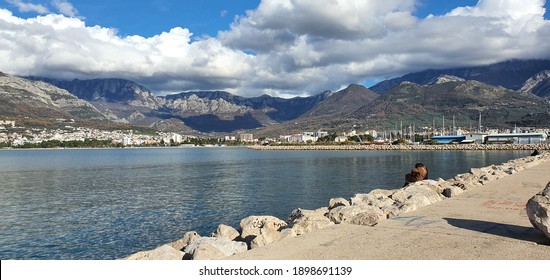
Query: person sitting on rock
{"x": 418, "y": 173}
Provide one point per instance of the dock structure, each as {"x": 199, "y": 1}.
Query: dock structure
{"x": 515, "y": 138}
{"x": 448, "y": 139}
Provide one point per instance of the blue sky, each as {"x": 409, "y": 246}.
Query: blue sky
{"x": 148, "y": 18}
{"x": 252, "y": 47}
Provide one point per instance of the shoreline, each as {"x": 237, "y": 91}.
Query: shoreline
{"x": 447, "y": 147}
{"x": 116, "y": 148}
{"x": 488, "y": 221}
{"x": 363, "y": 210}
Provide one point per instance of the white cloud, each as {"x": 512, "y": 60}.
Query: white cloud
{"x": 298, "y": 46}
{"x": 350, "y": 41}
{"x": 65, "y": 7}
{"x": 28, "y": 7}
{"x": 64, "y": 47}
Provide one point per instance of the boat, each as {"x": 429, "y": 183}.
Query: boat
{"x": 379, "y": 141}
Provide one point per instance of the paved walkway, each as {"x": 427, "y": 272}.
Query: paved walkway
{"x": 488, "y": 222}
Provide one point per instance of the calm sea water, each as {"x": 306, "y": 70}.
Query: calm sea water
{"x": 108, "y": 204}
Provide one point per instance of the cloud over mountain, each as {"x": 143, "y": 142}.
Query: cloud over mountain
{"x": 283, "y": 47}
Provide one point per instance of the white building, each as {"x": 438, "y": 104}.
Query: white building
{"x": 321, "y": 134}
{"x": 247, "y": 137}
{"x": 7, "y": 123}
{"x": 477, "y": 138}
{"x": 340, "y": 139}
{"x": 230, "y": 138}
{"x": 372, "y": 133}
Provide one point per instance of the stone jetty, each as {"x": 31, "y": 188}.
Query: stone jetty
{"x": 450, "y": 147}
{"x": 370, "y": 210}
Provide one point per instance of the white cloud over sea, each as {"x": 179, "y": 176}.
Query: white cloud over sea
{"x": 283, "y": 47}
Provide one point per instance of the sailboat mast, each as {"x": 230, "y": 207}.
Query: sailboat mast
{"x": 443, "y": 127}
{"x": 479, "y": 121}
{"x": 454, "y": 127}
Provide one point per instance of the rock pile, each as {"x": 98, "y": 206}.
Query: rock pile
{"x": 538, "y": 210}
{"x": 448, "y": 147}
{"x": 362, "y": 209}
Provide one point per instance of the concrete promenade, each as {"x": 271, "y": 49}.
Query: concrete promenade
{"x": 488, "y": 222}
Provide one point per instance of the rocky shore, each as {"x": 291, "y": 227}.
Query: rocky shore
{"x": 362, "y": 209}
{"x": 453, "y": 147}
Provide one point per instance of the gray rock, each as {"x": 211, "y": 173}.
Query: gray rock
{"x": 452, "y": 191}
{"x": 310, "y": 223}
{"x": 288, "y": 233}
{"x": 369, "y": 218}
{"x": 301, "y": 213}
{"x": 225, "y": 231}
{"x": 207, "y": 252}
{"x": 335, "y": 202}
{"x": 251, "y": 226}
{"x": 266, "y": 236}
{"x": 538, "y": 210}
{"x": 188, "y": 237}
{"x": 164, "y": 252}
{"x": 347, "y": 214}
{"x": 378, "y": 198}
{"x": 417, "y": 192}
{"x": 374, "y": 195}
{"x": 225, "y": 246}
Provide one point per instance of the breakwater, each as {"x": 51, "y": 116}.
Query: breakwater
{"x": 450, "y": 147}
{"x": 363, "y": 209}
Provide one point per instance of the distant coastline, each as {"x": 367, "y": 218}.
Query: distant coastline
{"x": 457, "y": 147}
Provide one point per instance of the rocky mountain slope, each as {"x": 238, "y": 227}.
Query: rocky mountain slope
{"x": 538, "y": 84}
{"x": 124, "y": 101}
{"x": 510, "y": 74}
{"x": 417, "y": 97}
{"x": 25, "y": 99}
{"x": 449, "y": 96}
{"x": 342, "y": 102}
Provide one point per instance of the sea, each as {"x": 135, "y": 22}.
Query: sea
{"x": 102, "y": 204}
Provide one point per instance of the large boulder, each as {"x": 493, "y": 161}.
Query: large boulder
{"x": 538, "y": 210}
{"x": 335, "y": 202}
{"x": 187, "y": 239}
{"x": 208, "y": 244}
{"x": 310, "y": 223}
{"x": 250, "y": 226}
{"x": 164, "y": 252}
{"x": 416, "y": 196}
{"x": 300, "y": 213}
{"x": 379, "y": 198}
{"x": 225, "y": 231}
{"x": 417, "y": 192}
{"x": 266, "y": 236}
{"x": 357, "y": 214}
{"x": 207, "y": 252}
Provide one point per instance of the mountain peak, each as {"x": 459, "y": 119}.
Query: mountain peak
{"x": 442, "y": 79}
{"x": 510, "y": 74}
{"x": 539, "y": 84}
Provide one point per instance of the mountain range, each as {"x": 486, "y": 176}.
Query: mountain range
{"x": 506, "y": 93}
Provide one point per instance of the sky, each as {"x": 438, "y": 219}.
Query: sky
{"x": 282, "y": 48}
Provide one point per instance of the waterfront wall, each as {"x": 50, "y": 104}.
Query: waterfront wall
{"x": 451, "y": 147}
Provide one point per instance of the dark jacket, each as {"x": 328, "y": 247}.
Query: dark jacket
{"x": 417, "y": 174}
